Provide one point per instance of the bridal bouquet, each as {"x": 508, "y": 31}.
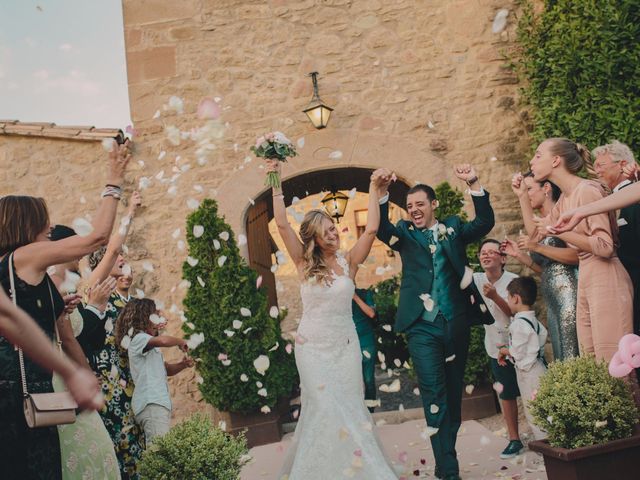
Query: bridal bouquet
{"x": 274, "y": 146}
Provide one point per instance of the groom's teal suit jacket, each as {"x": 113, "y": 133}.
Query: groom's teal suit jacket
{"x": 418, "y": 266}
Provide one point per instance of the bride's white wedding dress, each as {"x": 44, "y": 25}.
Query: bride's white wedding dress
{"x": 335, "y": 435}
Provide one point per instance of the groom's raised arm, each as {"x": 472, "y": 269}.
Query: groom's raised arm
{"x": 387, "y": 230}
{"x": 484, "y": 221}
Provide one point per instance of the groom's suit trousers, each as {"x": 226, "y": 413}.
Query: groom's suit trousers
{"x": 440, "y": 382}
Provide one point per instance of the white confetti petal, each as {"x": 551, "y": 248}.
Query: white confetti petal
{"x": 139, "y": 293}
{"x": 429, "y": 432}
{"x": 70, "y": 283}
{"x": 245, "y": 312}
{"x": 244, "y": 378}
{"x": 176, "y": 104}
{"x": 434, "y": 408}
{"x": 300, "y": 142}
{"x": 450, "y": 358}
{"x": 192, "y": 261}
{"x": 469, "y": 389}
{"x": 200, "y": 281}
{"x": 386, "y": 328}
{"x": 265, "y": 409}
{"x": 229, "y": 333}
{"x": 224, "y": 236}
{"x": 393, "y": 240}
{"x": 192, "y": 203}
{"x": 484, "y": 440}
{"x": 274, "y": 312}
{"x": 242, "y": 240}
{"x": 176, "y": 233}
{"x": 237, "y": 324}
{"x": 427, "y": 301}
{"x": 335, "y": 155}
{"x": 261, "y": 364}
{"x": 195, "y": 340}
{"x": 366, "y": 354}
{"x": 262, "y": 392}
{"x": 198, "y": 231}
{"x": 500, "y": 20}
{"x": 147, "y": 265}
{"x": 392, "y": 387}
{"x": 82, "y": 227}
{"x": 108, "y": 144}
{"x": 221, "y": 260}
{"x": 352, "y": 192}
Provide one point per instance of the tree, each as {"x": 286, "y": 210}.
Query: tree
{"x": 242, "y": 335}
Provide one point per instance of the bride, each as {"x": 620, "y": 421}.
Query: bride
{"x": 335, "y": 435}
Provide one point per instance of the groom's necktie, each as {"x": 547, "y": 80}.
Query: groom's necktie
{"x": 428, "y": 233}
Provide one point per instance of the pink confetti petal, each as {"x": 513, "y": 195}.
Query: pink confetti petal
{"x": 357, "y": 453}
{"x": 498, "y": 387}
{"x": 259, "y": 281}
{"x": 403, "y": 457}
{"x": 222, "y": 356}
{"x": 289, "y": 348}
{"x": 208, "y": 109}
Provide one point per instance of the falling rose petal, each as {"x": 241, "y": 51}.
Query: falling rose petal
{"x": 427, "y": 301}
{"x": 229, "y": 333}
{"x": 200, "y": 281}
{"x": 274, "y": 312}
{"x": 393, "y": 387}
{"x": 430, "y": 124}
{"x": 192, "y": 261}
{"x": 242, "y": 240}
{"x": 261, "y": 364}
{"x": 144, "y": 183}
{"x": 366, "y": 354}
{"x": 82, "y": 227}
{"x": 380, "y": 271}
{"x": 393, "y": 240}
{"x": 483, "y": 308}
{"x": 357, "y": 453}
{"x": 403, "y": 457}
{"x": 162, "y": 154}
{"x": 434, "y": 408}
{"x": 469, "y": 389}
{"x": 394, "y": 178}
{"x": 237, "y": 324}
{"x": 397, "y": 362}
{"x": 198, "y": 231}
{"x": 265, "y": 409}
{"x": 498, "y": 387}
{"x": 147, "y": 265}
{"x": 429, "y": 432}
{"x": 416, "y": 391}
{"x": 484, "y": 440}
{"x": 245, "y": 312}
{"x": 180, "y": 245}
{"x": 450, "y": 358}
{"x": 352, "y": 192}
{"x": 222, "y": 356}
{"x": 108, "y": 144}
{"x": 244, "y": 378}
{"x": 173, "y": 134}
{"x": 216, "y": 244}
{"x": 500, "y": 20}
{"x": 259, "y": 281}
{"x": 157, "y": 319}
{"x": 70, "y": 283}
{"x": 125, "y": 342}
{"x": 176, "y": 104}
{"x": 224, "y": 236}
{"x": 195, "y": 340}
{"x": 300, "y": 142}
{"x": 300, "y": 339}
{"x": 156, "y": 115}
{"x": 335, "y": 155}
{"x": 199, "y": 380}
{"x": 275, "y": 347}
{"x": 208, "y": 109}
{"x": 550, "y": 419}
{"x": 262, "y": 392}
{"x": 221, "y": 260}
{"x": 192, "y": 203}
{"x": 386, "y": 328}
{"x": 139, "y": 293}
{"x": 601, "y": 423}
{"x": 467, "y": 278}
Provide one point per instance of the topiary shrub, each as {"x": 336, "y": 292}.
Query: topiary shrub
{"x": 579, "y": 62}
{"x": 224, "y": 304}
{"x": 391, "y": 344}
{"x": 197, "y": 450}
{"x": 579, "y": 404}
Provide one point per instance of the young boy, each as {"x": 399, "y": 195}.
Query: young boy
{"x": 527, "y": 337}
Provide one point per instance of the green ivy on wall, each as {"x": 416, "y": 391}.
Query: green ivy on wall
{"x": 580, "y": 63}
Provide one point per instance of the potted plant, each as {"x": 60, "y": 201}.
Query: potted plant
{"x": 247, "y": 370}
{"x": 591, "y": 421}
{"x": 197, "y": 450}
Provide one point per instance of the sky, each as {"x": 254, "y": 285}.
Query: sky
{"x": 63, "y": 61}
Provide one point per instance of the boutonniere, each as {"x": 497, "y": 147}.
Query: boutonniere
{"x": 444, "y": 232}
{"x": 411, "y": 227}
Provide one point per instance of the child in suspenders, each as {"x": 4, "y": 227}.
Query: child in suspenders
{"x": 527, "y": 337}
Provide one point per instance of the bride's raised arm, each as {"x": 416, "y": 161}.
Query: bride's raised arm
{"x": 291, "y": 241}
{"x": 361, "y": 249}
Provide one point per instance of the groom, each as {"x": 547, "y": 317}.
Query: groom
{"x": 434, "y": 310}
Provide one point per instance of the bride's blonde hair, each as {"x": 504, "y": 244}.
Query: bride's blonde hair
{"x": 313, "y": 225}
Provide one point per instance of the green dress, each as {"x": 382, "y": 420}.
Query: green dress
{"x": 112, "y": 367}
{"x": 86, "y": 448}
{"x": 366, "y": 336}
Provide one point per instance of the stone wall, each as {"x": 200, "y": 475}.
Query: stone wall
{"x": 416, "y": 86}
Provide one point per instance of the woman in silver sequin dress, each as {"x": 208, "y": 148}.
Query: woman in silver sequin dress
{"x": 556, "y": 263}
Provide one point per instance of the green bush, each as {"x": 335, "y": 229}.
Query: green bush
{"x": 196, "y": 450}
{"x": 579, "y": 404}
{"x": 580, "y": 63}
{"x": 217, "y": 295}
{"x": 477, "y": 372}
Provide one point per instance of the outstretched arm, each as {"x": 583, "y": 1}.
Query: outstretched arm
{"x": 622, "y": 198}
{"x": 361, "y": 249}
{"x": 484, "y": 221}
{"x": 291, "y": 241}
{"x": 519, "y": 188}
{"x": 114, "y": 247}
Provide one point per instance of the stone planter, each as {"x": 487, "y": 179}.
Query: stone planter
{"x": 260, "y": 428}
{"x": 480, "y": 404}
{"x": 617, "y": 459}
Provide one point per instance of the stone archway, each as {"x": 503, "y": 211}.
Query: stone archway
{"x": 341, "y": 159}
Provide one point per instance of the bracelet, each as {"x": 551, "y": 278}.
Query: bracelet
{"x": 112, "y": 185}
{"x": 278, "y": 195}
{"x": 471, "y": 181}
{"x": 115, "y": 192}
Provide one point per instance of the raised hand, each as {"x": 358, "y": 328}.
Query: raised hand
{"x": 85, "y": 390}
{"x": 510, "y": 247}
{"x": 119, "y": 158}
{"x": 99, "y": 294}
{"x": 489, "y": 290}
{"x": 382, "y": 178}
{"x": 134, "y": 202}
{"x": 517, "y": 184}
{"x": 630, "y": 170}
{"x": 71, "y": 301}
{"x": 525, "y": 242}
{"x": 465, "y": 172}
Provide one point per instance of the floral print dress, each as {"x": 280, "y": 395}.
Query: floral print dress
{"x": 112, "y": 367}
